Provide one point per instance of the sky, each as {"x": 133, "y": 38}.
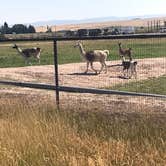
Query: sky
{"x": 29, "y": 11}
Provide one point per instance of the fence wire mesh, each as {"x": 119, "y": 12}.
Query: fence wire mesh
{"x": 149, "y": 53}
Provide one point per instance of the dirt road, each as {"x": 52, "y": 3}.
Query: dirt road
{"x": 72, "y": 75}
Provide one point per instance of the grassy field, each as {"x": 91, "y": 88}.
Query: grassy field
{"x": 142, "y": 48}
{"x": 33, "y": 133}
{"x": 36, "y": 134}
{"x": 153, "y": 85}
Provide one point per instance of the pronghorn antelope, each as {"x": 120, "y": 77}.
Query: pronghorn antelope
{"x": 124, "y": 52}
{"x": 93, "y": 56}
{"x": 29, "y": 52}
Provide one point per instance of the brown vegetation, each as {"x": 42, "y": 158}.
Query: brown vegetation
{"x": 134, "y": 22}
{"x": 33, "y": 133}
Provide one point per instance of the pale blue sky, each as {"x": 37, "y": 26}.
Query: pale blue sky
{"x": 20, "y": 11}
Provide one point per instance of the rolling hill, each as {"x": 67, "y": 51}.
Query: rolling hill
{"x": 57, "y": 25}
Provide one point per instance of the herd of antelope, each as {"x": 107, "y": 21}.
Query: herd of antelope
{"x": 129, "y": 66}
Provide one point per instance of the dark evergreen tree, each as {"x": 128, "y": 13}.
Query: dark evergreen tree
{"x": 31, "y": 29}
{"x": 82, "y": 32}
{"x": 19, "y": 28}
{"x": 5, "y": 29}
{"x": 95, "y": 32}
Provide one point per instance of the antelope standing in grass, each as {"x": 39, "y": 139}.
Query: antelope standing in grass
{"x": 93, "y": 56}
{"x": 124, "y": 52}
{"x": 29, "y": 52}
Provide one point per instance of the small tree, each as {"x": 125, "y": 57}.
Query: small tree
{"x": 115, "y": 31}
{"x": 95, "y": 32}
{"x": 19, "y": 28}
{"x": 31, "y": 29}
{"x": 49, "y": 30}
{"x": 5, "y": 29}
{"x": 106, "y": 31}
{"x": 69, "y": 33}
{"x": 82, "y": 32}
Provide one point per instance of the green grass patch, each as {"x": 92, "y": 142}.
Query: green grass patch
{"x": 153, "y": 85}
{"x": 142, "y": 48}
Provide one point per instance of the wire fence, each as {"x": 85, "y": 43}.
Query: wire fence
{"x": 68, "y": 75}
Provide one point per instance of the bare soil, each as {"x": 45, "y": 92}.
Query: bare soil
{"x": 73, "y": 75}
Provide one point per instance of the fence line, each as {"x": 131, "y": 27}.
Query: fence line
{"x": 58, "y": 88}
{"x": 53, "y": 37}
{"x": 79, "y": 90}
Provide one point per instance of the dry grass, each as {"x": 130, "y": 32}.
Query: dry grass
{"x": 133, "y": 22}
{"x": 34, "y": 133}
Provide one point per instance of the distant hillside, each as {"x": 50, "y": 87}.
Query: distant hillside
{"x": 91, "y": 20}
{"x": 96, "y": 23}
